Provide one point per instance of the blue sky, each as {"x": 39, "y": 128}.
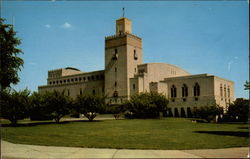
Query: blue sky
{"x": 201, "y": 37}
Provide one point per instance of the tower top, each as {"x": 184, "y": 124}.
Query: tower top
{"x": 123, "y": 25}
{"x": 123, "y": 12}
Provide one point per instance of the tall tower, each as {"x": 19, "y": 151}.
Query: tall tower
{"x": 123, "y": 52}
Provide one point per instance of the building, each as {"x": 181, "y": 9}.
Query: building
{"x": 125, "y": 74}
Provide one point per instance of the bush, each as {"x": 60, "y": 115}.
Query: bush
{"x": 14, "y": 105}
{"x": 146, "y": 105}
{"x": 89, "y": 105}
{"x": 208, "y": 113}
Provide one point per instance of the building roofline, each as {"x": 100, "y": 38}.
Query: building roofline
{"x": 165, "y": 64}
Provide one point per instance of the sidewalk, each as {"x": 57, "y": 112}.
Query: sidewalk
{"x": 20, "y": 151}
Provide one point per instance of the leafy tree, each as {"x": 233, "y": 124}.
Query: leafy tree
{"x": 208, "y": 113}
{"x": 14, "y": 105}
{"x": 10, "y": 63}
{"x": 247, "y": 85}
{"x": 38, "y": 108}
{"x": 58, "y": 104}
{"x": 146, "y": 105}
{"x": 89, "y": 105}
{"x": 239, "y": 110}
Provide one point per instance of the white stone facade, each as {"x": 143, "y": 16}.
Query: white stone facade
{"x": 125, "y": 74}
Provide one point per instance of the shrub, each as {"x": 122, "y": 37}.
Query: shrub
{"x": 208, "y": 113}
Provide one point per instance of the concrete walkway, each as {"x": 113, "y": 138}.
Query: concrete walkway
{"x": 20, "y": 151}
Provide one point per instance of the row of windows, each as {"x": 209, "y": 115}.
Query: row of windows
{"x": 184, "y": 89}
{"x": 81, "y": 91}
{"x": 226, "y": 91}
{"x": 97, "y": 77}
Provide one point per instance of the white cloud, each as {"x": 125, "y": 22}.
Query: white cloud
{"x": 47, "y": 26}
{"x": 66, "y": 25}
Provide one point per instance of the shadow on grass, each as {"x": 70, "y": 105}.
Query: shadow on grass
{"x": 47, "y": 123}
{"x": 243, "y": 127}
{"x": 226, "y": 133}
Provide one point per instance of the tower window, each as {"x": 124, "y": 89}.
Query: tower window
{"x": 135, "y": 55}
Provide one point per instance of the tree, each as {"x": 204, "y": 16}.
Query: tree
{"x": 239, "y": 110}
{"x": 58, "y": 104}
{"x": 247, "y": 85}
{"x": 14, "y": 105}
{"x": 10, "y": 63}
{"x": 89, "y": 105}
{"x": 208, "y": 113}
{"x": 146, "y": 105}
{"x": 38, "y": 108}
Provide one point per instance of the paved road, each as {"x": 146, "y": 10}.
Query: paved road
{"x": 20, "y": 151}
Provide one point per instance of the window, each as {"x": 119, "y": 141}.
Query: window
{"x": 88, "y": 78}
{"x": 56, "y": 82}
{"x": 80, "y": 91}
{"x": 184, "y": 90}
{"x": 225, "y": 91}
{"x": 50, "y": 82}
{"x": 80, "y": 78}
{"x": 133, "y": 86}
{"x": 76, "y": 79}
{"x": 68, "y": 80}
{"x": 115, "y": 83}
{"x": 97, "y": 77}
{"x": 93, "y": 92}
{"x": 64, "y": 81}
{"x": 68, "y": 93}
{"x": 173, "y": 91}
{"x": 92, "y": 77}
{"x": 135, "y": 55}
{"x": 228, "y": 92}
{"x": 196, "y": 89}
{"x": 115, "y": 69}
{"x": 221, "y": 93}
{"x": 60, "y": 81}
{"x": 72, "y": 79}
{"x": 115, "y": 55}
{"x": 84, "y": 78}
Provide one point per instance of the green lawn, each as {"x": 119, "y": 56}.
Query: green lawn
{"x": 170, "y": 133}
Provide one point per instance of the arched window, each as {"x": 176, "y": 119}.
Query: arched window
{"x": 173, "y": 91}
{"x": 196, "y": 89}
{"x": 184, "y": 90}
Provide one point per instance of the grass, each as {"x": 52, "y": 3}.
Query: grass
{"x": 170, "y": 133}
